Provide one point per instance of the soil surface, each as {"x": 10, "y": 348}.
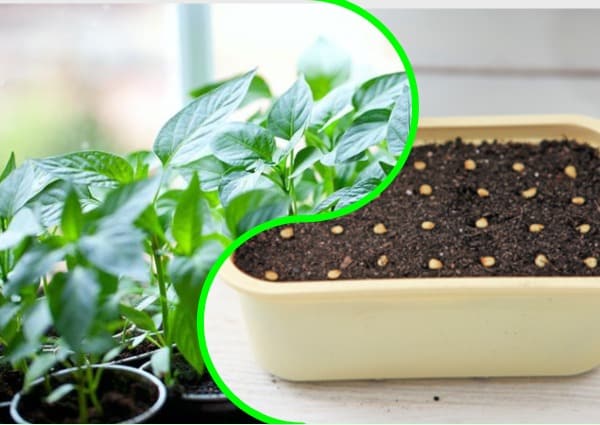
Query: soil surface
{"x": 11, "y": 382}
{"x": 142, "y": 348}
{"x": 122, "y": 397}
{"x": 454, "y": 207}
{"x": 188, "y": 380}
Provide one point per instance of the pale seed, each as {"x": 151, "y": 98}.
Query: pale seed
{"x": 346, "y": 262}
{"x": 420, "y": 165}
{"x": 470, "y": 165}
{"x": 578, "y": 200}
{"x": 584, "y": 228}
{"x": 427, "y": 225}
{"x": 591, "y": 262}
{"x": 425, "y": 190}
{"x": 571, "y": 171}
{"x": 337, "y": 230}
{"x": 536, "y": 228}
{"x": 481, "y": 223}
{"x": 483, "y": 193}
{"x": 379, "y": 229}
{"x": 519, "y": 167}
{"x": 382, "y": 261}
{"x": 529, "y": 193}
{"x": 334, "y": 274}
{"x": 435, "y": 264}
{"x": 488, "y": 261}
{"x": 541, "y": 260}
{"x": 271, "y": 275}
{"x": 287, "y": 233}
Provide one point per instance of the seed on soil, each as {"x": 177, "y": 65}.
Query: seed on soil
{"x": 488, "y": 261}
{"x": 529, "y": 193}
{"x": 425, "y": 190}
{"x": 519, "y": 167}
{"x": 435, "y": 264}
{"x": 334, "y": 274}
{"x": 481, "y": 223}
{"x": 541, "y": 260}
{"x": 346, "y": 262}
{"x": 470, "y": 165}
{"x": 578, "y": 200}
{"x": 382, "y": 261}
{"x": 427, "y": 225}
{"x": 571, "y": 171}
{"x": 337, "y": 230}
{"x": 591, "y": 262}
{"x": 420, "y": 165}
{"x": 483, "y": 193}
{"x": 271, "y": 275}
{"x": 536, "y": 228}
{"x": 584, "y": 228}
{"x": 287, "y": 233}
{"x": 379, "y": 229}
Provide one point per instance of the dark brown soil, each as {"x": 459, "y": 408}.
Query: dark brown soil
{"x": 454, "y": 206}
{"x": 142, "y": 348}
{"x": 188, "y": 380}
{"x": 11, "y": 382}
{"x": 122, "y": 397}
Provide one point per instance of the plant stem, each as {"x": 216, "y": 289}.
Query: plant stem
{"x": 162, "y": 287}
{"x": 93, "y": 382}
{"x": 290, "y": 185}
{"x": 81, "y": 398}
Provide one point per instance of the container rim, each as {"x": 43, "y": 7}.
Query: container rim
{"x": 472, "y": 129}
{"x": 141, "y": 418}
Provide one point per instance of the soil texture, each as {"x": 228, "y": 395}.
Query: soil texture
{"x": 121, "y": 395}
{"x": 456, "y": 209}
{"x": 11, "y": 382}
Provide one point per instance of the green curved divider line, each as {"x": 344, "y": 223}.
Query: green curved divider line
{"x": 310, "y": 218}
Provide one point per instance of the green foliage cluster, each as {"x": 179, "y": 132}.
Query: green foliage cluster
{"x": 99, "y": 252}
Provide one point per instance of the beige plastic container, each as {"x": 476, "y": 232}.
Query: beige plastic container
{"x": 431, "y": 327}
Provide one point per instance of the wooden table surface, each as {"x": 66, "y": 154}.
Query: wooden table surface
{"x": 526, "y": 400}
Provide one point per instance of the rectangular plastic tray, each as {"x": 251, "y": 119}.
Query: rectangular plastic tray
{"x": 431, "y": 327}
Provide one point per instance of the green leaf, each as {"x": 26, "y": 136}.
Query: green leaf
{"x": 117, "y": 249}
{"x": 73, "y": 300}
{"x": 186, "y": 338}
{"x": 253, "y": 208}
{"x": 20, "y": 186}
{"x": 188, "y": 275}
{"x": 150, "y": 222}
{"x": 368, "y": 130}
{"x": 304, "y": 159}
{"x": 126, "y": 203}
{"x": 72, "y": 217}
{"x": 139, "y": 318}
{"x": 380, "y": 92}
{"x": 259, "y": 89}
{"x": 336, "y": 104}
{"x": 11, "y": 164}
{"x": 347, "y": 195}
{"x": 325, "y": 66}
{"x": 41, "y": 364}
{"x": 199, "y": 118}
{"x": 243, "y": 144}
{"x": 34, "y": 264}
{"x": 22, "y": 225}
{"x": 7, "y": 313}
{"x": 37, "y": 320}
{"x": 188, "y": 218}
{"x": 48, "y": 204}
{"x": 290, "y": 113}
{"x": 88, "y": 168}
{"x": 210, "y": 170}
{"x": 236, "y": 183}
{"x": 59, "y": 393}
{"x": 398, "y": 126}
